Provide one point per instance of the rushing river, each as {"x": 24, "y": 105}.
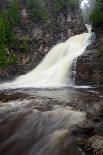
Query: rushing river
{"x": 46, "y": 121}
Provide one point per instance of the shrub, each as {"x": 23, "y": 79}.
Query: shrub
{"x": 59, "y": 5}
{"x": 3, "y": 41}
{"x": 23, "y": 47}
{"x": 73, "y": 3}
{"x": 37, "y": 10}
{"x": 12, "y": 59}
{"x": 3, "y": 58}
{"x": 8, "y": 19}
{"x": 13, "y": 13}
{"x": 96, "y": 16}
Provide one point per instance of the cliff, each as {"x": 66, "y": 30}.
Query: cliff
{"x": 89, "y": 70}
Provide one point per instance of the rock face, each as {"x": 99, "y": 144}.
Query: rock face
{"x": 4, "y": 3}
{"x": 41, "y": 37}
{"x": 89, "y": 70}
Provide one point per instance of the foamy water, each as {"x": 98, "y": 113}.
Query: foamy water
{"x": 54, "y": 70}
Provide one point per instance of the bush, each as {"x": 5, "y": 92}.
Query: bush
{"x": 59, "y": 5}
{"x": 3, "y": 58}
{"x": 96, "y": 16}
{"x": 8, "y": 19}
{"x": 12, "y": 59}
{"x": 37, "y": 10}
{"x": 73, "y": 4}
{"x": 23, "y": 47}
{"x": 3, "y": 41}
{"x": 13, "y": 13}
{"x": 7, "y": 39}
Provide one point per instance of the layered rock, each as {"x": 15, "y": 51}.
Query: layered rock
{"x": 89, "y": 70}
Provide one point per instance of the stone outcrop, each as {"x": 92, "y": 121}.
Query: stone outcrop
{"x": 89, "y": 70}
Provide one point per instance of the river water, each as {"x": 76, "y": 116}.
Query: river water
{"x": 49, "y": 121}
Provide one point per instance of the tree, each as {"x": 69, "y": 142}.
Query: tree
{"x": 37, "y": 10}
{"x": 13, "y": 13}
{"x": 60, "y": 5}
{"x": 96, "y": 16}
{"x": 3, "y": 41}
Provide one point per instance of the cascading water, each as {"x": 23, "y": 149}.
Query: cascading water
{"x": 54, "y": 70}
{"x": 86, "y": 8}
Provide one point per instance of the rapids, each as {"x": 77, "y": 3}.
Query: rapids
{"x": 47, "y": 121}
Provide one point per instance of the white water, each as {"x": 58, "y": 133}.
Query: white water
{"x": 54, "y": 70}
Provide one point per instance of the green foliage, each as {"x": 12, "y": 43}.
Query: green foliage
{"x": 59, "y": 5}
{"x": 8, "y": 19}
{"x": 96, "y": 15}
{"x": 37, "y": 10}
{"x": 73, "y": 3}
{"x": 2, "y": 55}
{"x": 12, "y": 59}
{"x": 23, "y": 47}
{"x": 13, "y": 13}
{"x": 3, "y": 40}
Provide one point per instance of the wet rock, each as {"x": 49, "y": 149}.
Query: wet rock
{"x": 11, "y": 97}
{"x": 89, "y": 70}
{"x": 37, "y": 33}
{"x": 93, "y": 145}
{"x": 95, "y": 113}
{"x": 84, "y": 129}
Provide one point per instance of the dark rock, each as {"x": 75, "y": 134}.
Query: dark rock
{"x": 11, "y": 97}
{"x": 89, "y": 70}
{"x": 93, "y": 145}
{"x": 84, "y": 130}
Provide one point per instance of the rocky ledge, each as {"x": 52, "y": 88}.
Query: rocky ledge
{"x": 89, "y": 70}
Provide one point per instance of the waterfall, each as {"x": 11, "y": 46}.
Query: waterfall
{"x": 55, "y": 69}
{"x": 86, "y": 8}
